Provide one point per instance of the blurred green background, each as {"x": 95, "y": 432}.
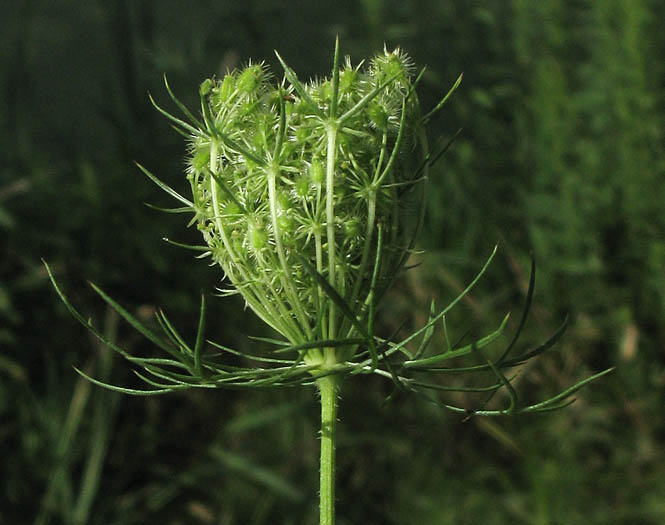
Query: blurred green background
{"x": 561, "y": 155}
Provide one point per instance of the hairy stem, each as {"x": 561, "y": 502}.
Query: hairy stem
{"x": 328, "y": 390}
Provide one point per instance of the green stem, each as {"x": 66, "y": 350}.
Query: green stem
{"x": 328, "y": 389}
{"x": 330, "y": 220}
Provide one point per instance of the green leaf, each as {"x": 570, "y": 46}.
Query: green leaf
{"x": 172, "y": 333}
{"x": 269, "y": 340}
{"x": 124, "y": 390}
{"x": 333, "y": 295}
{"x": 145, "y": 331}
{"x": 438, "y": 107}
{"x": 366, "y": 99}
{"x": 428, "y": 333}
{"x": 224, "y": 187}
{"x": 176, "y": 378}
{"x": 200, "y": 334}
{"x": 183, "y": 125}
{"x": 245, "y": 355}
{"x": 538, "y": 407}
{"x": 430, "y": 160}
{"x": 300, "y": 89}
{"x": 232, "y": 144}
{"x": 504, "y": 381}
{"x": 426, "y": 363}
{"x": 450, "y": 306}
{"x": 335, "y": 81}
{"x": 166, "y": 188}
{"x": 187, "y": 246}
{"x": 181, "y": 106}
{"x": 175, "y": 386}
{"x": 323, "y": 343}
{"x": 88, "y": 325}
{"x": 281, "y": 132}
{"x": 397, "y": 145}
{"x": 448, "y": 388}
{"x": 183, "y": 209}
{"x": 522, "y": 358}
{"x": 372, "y": 296}
{"x": 525, "y": 312}
{"x": 207, "y": 115}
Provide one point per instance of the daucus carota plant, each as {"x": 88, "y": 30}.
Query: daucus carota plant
{"x": 309, "y": 197}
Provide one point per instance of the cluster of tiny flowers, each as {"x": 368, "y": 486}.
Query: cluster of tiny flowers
{"x": 274, "y": 165}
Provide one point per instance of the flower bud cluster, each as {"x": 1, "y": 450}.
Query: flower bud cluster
{"x": 291, "y": 180}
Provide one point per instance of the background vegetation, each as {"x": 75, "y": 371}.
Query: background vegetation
{"x": 562, "y": 111}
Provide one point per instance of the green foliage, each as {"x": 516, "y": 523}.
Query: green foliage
{"x": 593, "y": 205}
{"x": 249, "y": 134}
{"x": 258, "y": 140}
{"x": 562, "y": 117}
